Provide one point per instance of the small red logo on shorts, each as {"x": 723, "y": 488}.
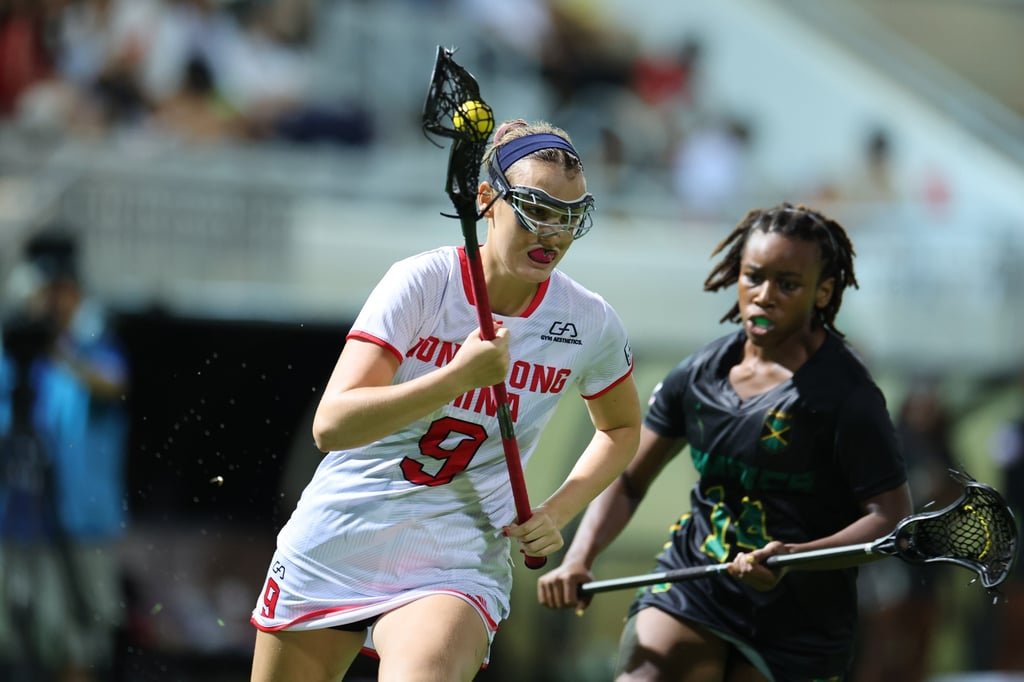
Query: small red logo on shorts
{"x": 270, "y": 594}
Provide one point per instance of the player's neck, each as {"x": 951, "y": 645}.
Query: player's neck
{"x": 790, "y": 353}
{"x": 508, "y": 293}
{"x": 511, "y": 298}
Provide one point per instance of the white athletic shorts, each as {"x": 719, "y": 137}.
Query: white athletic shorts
{"x": 283, "y": 604}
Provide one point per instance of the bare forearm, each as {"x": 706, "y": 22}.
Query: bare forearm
{"x": 600, "y": 465}
{"x": 604, "y": 519}
{"x": 882, "y": 513}
{"x": 362, "y": 415}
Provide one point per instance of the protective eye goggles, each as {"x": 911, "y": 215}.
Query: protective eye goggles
{"x": 539, "y": 212}
{"x": 546, "y": 216}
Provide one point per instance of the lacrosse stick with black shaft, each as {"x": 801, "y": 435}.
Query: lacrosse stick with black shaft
{"x": 454, "y": 109}
{"x": 977, "y": 531}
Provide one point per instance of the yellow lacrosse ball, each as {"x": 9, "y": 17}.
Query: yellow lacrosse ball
{"x": 474, "y": 117}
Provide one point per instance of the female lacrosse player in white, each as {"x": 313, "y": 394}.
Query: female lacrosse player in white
{"x": 795, "y": 451}
{"x": 400, "y": 544}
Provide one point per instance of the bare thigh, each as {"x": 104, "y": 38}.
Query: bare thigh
{"x": 658, "y": 647}
{"x": 309, "y": 655}
{"x": 440, "y": 638}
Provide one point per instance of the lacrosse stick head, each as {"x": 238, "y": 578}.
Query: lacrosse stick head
{"x": 978, "y": 532}
{"x": 454, "y": 109}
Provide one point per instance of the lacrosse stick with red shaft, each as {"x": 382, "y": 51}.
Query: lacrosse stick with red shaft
{"x": 977, "y": 532}
{"x": 454, "y": 109}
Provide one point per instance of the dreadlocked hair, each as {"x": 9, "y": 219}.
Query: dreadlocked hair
{"x": 516, "y": 128}
{"x": 800, "y": 222}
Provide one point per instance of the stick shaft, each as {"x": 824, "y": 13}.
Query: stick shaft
{"x": 805, "y": 559}
{"x": 821, "y": 556}
{"x": 673, "y": 576}
{"x": 998, "y": 525}
{"x": 508, "y": 437}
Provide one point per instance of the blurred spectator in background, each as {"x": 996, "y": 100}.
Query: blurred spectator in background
{"x": 924, "y": 425}
{"x": 1007, "y": 449}
{"x": 94, "y": 49}
{"x": 1008, "y": 452}
{"x": 872, "y": 182}
{"x": 584, "y": 54}
{"x": 269, "y": 76}
{"x": 196, "y": 113}
{"x": 26, "y": 50}
{"x": 517, "y": 31}
{"x": 710, "y": 170}
{"x": 658, "y": 106}
{"x": 901, "y": 604}
{"x": 62, "y": 502}
{"x": 184, "y": 30}
{"x": 660, "y": 78}
{"x": 262, "y": 71}
{"x": 115, "y": 88}
{"x": 878, "y": 181}
{"x": 98, "y": 47}
{"x": 205, "y": 69}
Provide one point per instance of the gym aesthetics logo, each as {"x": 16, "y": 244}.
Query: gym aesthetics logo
{"x": 562, "y": 332}
{"x": 775, "y": 432}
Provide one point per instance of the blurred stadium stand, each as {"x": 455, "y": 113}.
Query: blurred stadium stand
{"x": 236, "y": 268}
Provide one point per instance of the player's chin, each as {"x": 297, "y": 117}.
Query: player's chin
{"x": 758, "y": 338}
{"x": 537, "y": 272}
{"x": 756, "y": 332}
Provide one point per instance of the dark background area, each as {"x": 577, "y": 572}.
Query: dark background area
{"x": 210, "y": 398}
{"x": 228, "y": 398}
{"x": 219, "y": 398}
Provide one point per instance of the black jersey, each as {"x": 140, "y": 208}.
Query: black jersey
{"x": 791, "y": 464}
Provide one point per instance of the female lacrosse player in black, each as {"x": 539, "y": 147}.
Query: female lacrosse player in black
{"x": 795, "y": 451}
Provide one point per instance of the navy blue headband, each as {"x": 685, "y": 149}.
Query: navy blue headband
{"x": 512, "y": 151}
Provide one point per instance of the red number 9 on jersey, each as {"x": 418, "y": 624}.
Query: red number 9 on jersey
{"x": 456, "y": 458}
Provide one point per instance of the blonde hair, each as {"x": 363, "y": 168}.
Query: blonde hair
{"x": 515, "y": 128}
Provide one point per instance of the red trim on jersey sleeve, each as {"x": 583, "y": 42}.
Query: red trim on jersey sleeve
{"x": 610, "y": 386}
{"x": 370, "y": 338}
{"x": 467, "y": 285}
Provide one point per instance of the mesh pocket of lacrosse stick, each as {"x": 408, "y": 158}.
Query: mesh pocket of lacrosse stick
{"x": 453, "y": 98}
{"x": 977, "y": 531}
{"x": 454, "y": 109}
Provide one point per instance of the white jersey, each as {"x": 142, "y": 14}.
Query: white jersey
{"x": 422, "y": 510}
